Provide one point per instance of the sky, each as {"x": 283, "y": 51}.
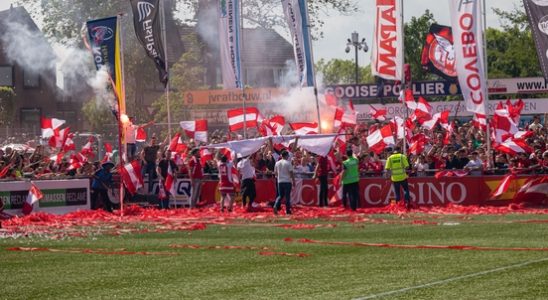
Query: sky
{"x": 339, "y": 27}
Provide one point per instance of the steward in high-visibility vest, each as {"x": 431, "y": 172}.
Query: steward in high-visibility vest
{"x": 397, "y": 164}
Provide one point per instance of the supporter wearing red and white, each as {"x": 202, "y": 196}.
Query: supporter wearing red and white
{"x": 196, "y": 175}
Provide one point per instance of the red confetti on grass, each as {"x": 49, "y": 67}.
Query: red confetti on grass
{"x": 385, "y": 245}
{"x": 90, "y": 251}
{"x": 271, "y": 253}
{"x": 218, "y": 247}
{"x": 143, "y": 220}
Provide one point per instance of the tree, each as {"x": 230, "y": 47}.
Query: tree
{"x": 99, "y": 117}
{"x": 7, "y": 97}
{"x": 415, "y": 35}
{"x": 511, "y": 52}
{"x": 341, "y": 71}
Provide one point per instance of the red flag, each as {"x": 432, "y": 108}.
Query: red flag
{"x": 195, "y": 129}
{"x": 380, "y": 139}
{"x": 302, "y": 128}
{"x": 418, "y": 142}
{"x": 338, "y": 190}
{"x": 480, "y": 121}
{"x": 171, "y": 180}
{"x": 141, "y": 135}
{"x": 57, "y": 140}
{"x": 514, "y": 146}
{"x": 176, "y": 144}
{"x": 205, "y": 156}
{"x": 69, "y": 145}
{"x": 378, "y": 114}
{"x": 87, "y": 149}
{"x": 108, "y": 153}
{"x": 34, "y": 195}
{"x": 5, "y": 170}
{"x": 450, "y": 173}
{"x": 331, "y": 99}
{"x": 49, "y": 125}
{"x": 131, "y": 176}
{"x": 534, "y": 190}
{"x": 503, "y": 186}
{"x": 236, "y": 118}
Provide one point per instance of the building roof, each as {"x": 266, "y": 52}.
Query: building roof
{"x": 265, "y": 47}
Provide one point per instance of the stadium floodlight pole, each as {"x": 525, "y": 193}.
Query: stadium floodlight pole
{"x": 166, "y": 65}
{"x": 487, "y": 131}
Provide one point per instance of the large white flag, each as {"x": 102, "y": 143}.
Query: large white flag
{"x": 387, "y": 50}
{"x": 229, "y": 41}
{"x": 296, "y": 16}
{"x": 468, "y": 43}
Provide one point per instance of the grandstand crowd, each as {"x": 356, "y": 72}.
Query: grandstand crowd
{"x": 466, "y": 149}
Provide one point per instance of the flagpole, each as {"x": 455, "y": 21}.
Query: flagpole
{"x": 313, "y": 71}
{"x": 241, "y": 41}
{"x": 404, "y": 141}
{"x": 487, "y": 131}
{"x": 166, "y": 65}
{"x": 122, "y": 146}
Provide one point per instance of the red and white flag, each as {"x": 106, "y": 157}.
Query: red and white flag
{"x": 406, "y": 97}
{"x": 4, "y": 171}
{"x": 205, "y": 156}
{"x": 34, "y": 195}
{"x": 49, "y": 125}
{"x": 441, "y": 117}
{"x": 171, "y": 180}
{"x": 450, "y": 173}
{"x": 176, "y": 144}
{"x": 236, "y": 118}
{"x": 196, "y": 130}
{"x": 514, "y": 146}
{"x": 76, "y": 162}
{"x": 345, "y": 117}
{"x": 534, "y": 190}
{"x": 108, "y": 153}
{"x": 57, "y": 158}
{"x": 140, "y": 134}
{"x": 418, "y": 142}
{"x": 387, "y": 49}
{"x": 131, "y": 176}
{"x": 378, "y": 114}
{"x": 272, "y": 126}
{"x": 468, "y": 44}
{"x": 503, "y": 125}
{"x": 338, "y": 191}
{"x": 423, "y": 109}
{"x": 503, "y": 185}
{"x": 380, "y": 139}
{"x": 305, "y": 128}
{"x": 480, "y": 121}
{"x": 69, "y": 143}
{"x": 57, "y": 140}
{"x": 87, "y": 149}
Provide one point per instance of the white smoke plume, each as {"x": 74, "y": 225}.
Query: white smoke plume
{"x": 27, "y": 47}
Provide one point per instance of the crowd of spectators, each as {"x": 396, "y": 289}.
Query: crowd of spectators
{"x": 465, "y": 150}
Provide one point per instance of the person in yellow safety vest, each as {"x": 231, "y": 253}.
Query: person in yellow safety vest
{"x": 396, "y": 166}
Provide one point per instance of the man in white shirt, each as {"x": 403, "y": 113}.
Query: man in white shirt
{"x": 474, "y": 165}
{"x": 247, "y": 173}
{"x": 130, "y": 131}
{"x": 285, "y": 176}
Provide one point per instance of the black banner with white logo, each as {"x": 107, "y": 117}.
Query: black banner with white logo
{"x": 537, "y": 11}
{"x": 438, "y": 53}
{"x": 148, "y": 30}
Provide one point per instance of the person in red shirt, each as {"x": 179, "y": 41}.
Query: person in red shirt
{"x": 196, "y": 175}
{"x": 226, "y": 186}
{"x": 321, "y": 172}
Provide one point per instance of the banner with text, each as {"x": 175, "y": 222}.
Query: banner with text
{"x": 296, "y": 16}
{"x": 387, "y": 49}
{"x": 229, "y": 41}
{"x": 468, "y": 39}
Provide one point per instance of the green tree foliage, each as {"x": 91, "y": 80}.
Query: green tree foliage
{"x": 511, "y": 50}
{"x": 186, "y": 75}
{"x": 415, "y": 35}
{"x": 7, "y": 97}
{"x": 99, "y": 117}
{"x": 341, "y": 71}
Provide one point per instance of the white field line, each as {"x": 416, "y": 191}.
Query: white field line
{"x": 383, "y": 294}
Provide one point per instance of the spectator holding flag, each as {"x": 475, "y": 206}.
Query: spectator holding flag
{"x": 163, "y": 172}
{"x": 196, "y": 175}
